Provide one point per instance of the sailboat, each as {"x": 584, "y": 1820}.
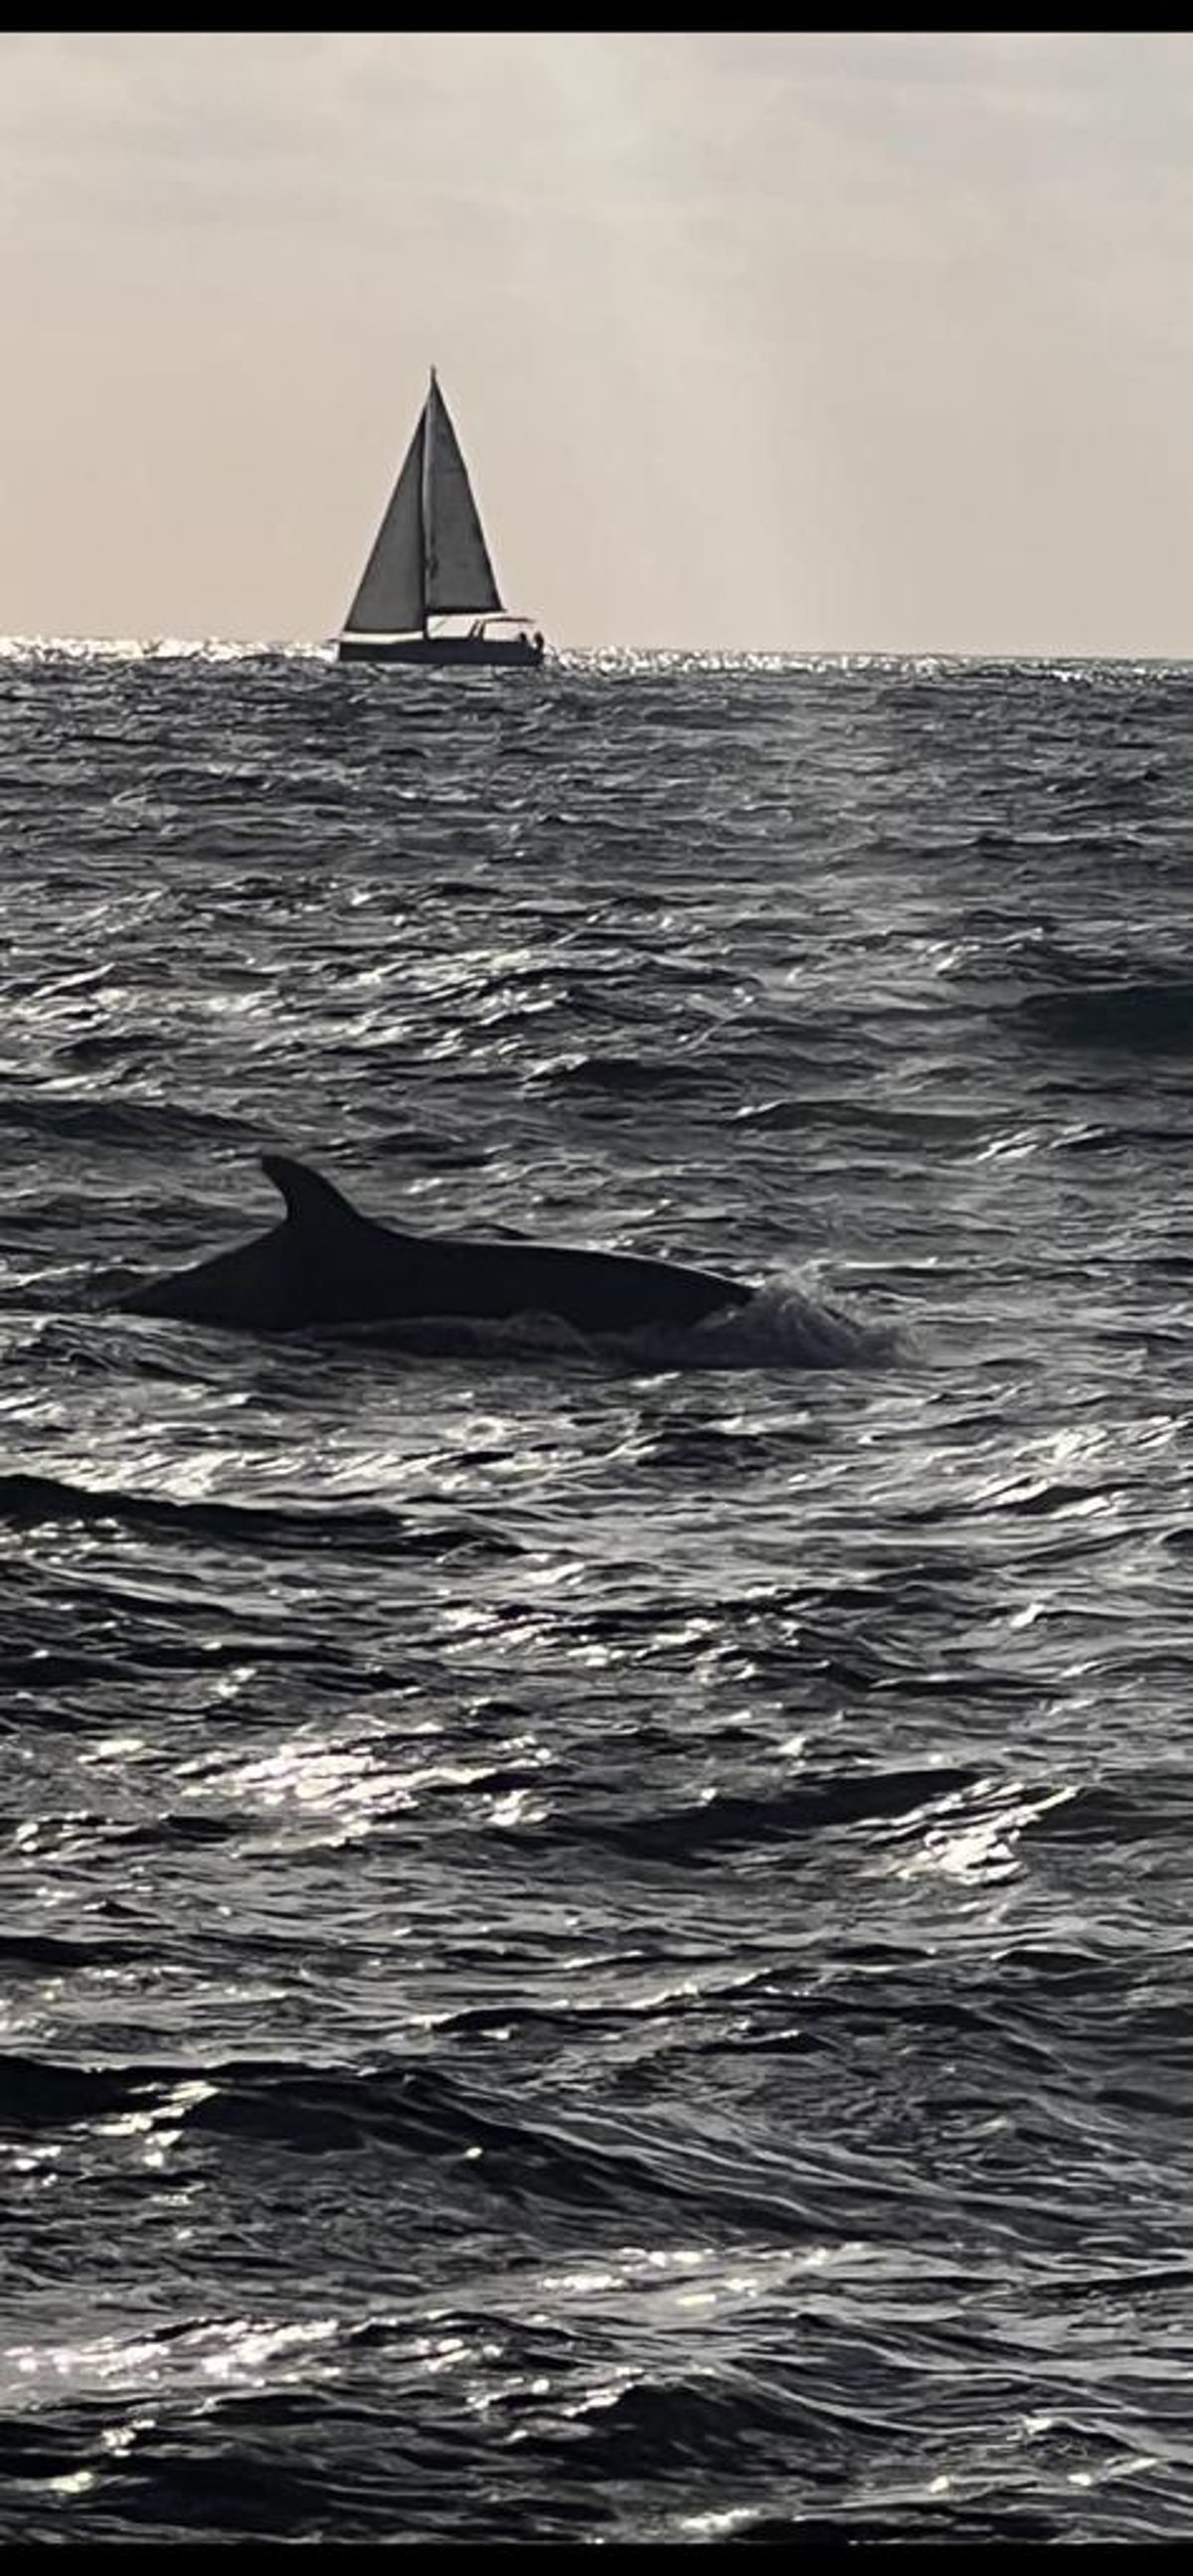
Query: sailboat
{"x": 429, "y": 564}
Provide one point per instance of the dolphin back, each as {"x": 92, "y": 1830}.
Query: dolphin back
{"x": 314, "y": 1267}
{"x": 325, "y": 1264}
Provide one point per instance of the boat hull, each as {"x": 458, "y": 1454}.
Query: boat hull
{"x": 446, "y": 652}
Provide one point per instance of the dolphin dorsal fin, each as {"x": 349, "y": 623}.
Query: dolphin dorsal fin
{"x": 309, "y": 1198}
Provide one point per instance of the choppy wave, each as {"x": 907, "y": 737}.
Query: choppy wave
{"x": 595, "y": 1934}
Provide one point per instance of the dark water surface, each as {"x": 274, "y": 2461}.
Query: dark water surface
{"x": 596, "y": 1941}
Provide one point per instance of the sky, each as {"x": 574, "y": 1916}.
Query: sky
{"x": 809, "y": 343}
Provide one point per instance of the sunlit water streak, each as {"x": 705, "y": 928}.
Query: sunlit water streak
{"x": 596, "y": 1939}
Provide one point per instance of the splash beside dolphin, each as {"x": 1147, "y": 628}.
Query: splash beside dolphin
{"x": 325, "y": 1265}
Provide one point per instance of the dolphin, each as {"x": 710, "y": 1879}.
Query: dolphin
{"x": 324, "y": 1264}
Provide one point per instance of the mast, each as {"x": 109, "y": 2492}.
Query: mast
{"x": 425, "y": 502}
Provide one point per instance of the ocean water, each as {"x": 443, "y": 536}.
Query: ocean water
{"x": 596, "y": 1939}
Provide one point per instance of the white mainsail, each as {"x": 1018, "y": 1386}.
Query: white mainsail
{"x": 429, "y": 558}
{"x": 459, "y": 574}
